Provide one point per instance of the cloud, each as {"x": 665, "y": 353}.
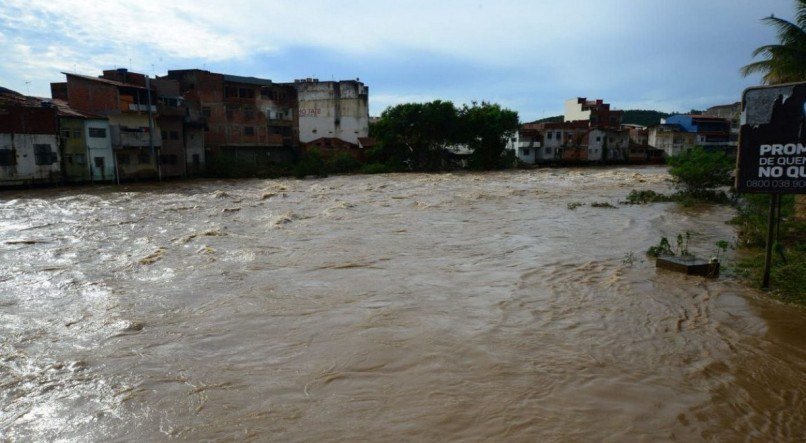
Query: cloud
{"x": 511, "y": 50}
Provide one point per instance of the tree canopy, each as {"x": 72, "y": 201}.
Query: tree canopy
{"x": 784, "y": 61}
{"x": 416, "y": 134}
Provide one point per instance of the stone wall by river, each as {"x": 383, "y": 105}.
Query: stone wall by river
{"x": 389, "y": 307}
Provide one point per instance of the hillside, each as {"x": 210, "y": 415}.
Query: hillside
{"x": 644, "y": 117}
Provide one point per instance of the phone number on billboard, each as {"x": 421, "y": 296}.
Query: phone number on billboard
{"x": 776, "y": 183}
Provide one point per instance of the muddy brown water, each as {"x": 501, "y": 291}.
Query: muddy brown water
{"x": 385, "y": 308}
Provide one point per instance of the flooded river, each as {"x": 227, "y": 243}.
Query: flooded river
{"x": 388, "y": 307}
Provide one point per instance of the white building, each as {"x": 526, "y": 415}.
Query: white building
{"x": 99, "y": 149}
{"x": 29, "y": 158}
{"x": 526, "y": 144}
{"x": 332, "y": 109}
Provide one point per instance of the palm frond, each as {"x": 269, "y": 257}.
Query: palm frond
{"x": 800, "y": 13}
{"x": 788, "y": 32}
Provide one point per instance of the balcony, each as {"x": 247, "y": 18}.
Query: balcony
{"x": 123, "y": 137}
{"x": 170, "y": 111}
{"x": 529, "y": 144}
{"x": 140, "y": 108}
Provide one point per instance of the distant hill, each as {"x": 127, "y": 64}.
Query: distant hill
{"x": 643, "y": 117}
{"x": 556, "y": 118}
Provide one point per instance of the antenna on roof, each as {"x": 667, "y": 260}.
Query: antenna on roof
{"x": 27, "y": 89}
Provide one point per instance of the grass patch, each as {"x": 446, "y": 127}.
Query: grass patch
{"x": 788, "y": 271}
{"x": 637, "y": 197}
{"x": 602, "y": 205}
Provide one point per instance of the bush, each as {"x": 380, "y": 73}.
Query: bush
{"x": 698, "y": 172}
{"x": 311, "y": 163}
{"x": 344, "y": 163}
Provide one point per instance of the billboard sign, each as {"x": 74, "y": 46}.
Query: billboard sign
{"x": 772, "y": 140}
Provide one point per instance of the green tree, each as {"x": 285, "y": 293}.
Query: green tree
{"x": 415, "y": 133}
{"x": 698, "y": 172}
{"x": 484, "y": 128}
{"x": 785, "y": 61}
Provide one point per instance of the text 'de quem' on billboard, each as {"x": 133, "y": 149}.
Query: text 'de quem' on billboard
{"x": 772, "y": 141}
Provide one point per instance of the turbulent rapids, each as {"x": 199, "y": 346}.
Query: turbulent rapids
{"x": 389, "y": 307}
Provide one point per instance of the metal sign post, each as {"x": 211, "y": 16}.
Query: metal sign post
{"x": 772, "y": 150}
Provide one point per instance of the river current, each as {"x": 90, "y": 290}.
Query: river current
{"x": 388, "y": 307}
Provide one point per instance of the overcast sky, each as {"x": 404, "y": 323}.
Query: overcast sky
{"x": 527, "y": 55}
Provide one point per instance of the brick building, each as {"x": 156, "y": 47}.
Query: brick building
{"x": 245, "y": 118}
{"x": 121, "y": 97}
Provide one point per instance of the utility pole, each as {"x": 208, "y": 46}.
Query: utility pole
{"x": 154, "y": 153}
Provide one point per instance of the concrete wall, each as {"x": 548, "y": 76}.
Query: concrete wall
{"x": 172, "y": 152}
{"x": 25, "y": 170}
{"x": 332, "y": 109}
{"x": 671, "y": 142}
{"x": 74, "y": 149}
{"x": 194, "y": 147}
{"x": 596, "y": 143}
{"x": 101, "y": 158}
{"x": 573, "y": 111}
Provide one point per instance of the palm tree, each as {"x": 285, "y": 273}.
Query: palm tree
{"x": 784, "y": 62}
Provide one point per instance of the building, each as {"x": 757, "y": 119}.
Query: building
{"x": 332, "y": 109}
{"x": 562, "y": 141}
{"x": 525, "y": 143}
{"x": 171, "y": 112}
{"x": 85, "y": 144}
{"x": 731, "y": 112}
{"x": 125, "y": 100}
{"x": 672, "y": 139}
{"x": 244, "y": 118}
{"x": 596, "y": 112}
{"x": 29, "y": 142}
{"x": 712, "y": 133}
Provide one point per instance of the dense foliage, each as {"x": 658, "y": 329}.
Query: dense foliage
{"x": 416, "y": 136}
{"x": 699, "y": 173}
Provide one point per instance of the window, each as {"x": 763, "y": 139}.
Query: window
{"x": 144, "y": 158}
{"x": 526, "y": 151}
{"x": 196, "y": 159}
{"x": 44, "y": 155}
{"x": 230, "y": 92}
{"x": 248, "y": 113}
{"x": 97, "y": 132}
{"x": 99, "y": 162}
{"x": 549, "y": 135}
{"x": 231, "y": 111}
{"x": 7, "y": 157}
{"x": 249, "y": 130}
{"x": 206, "y": 111}
{"x": 80, "y": 159}
{"x": 65, "y": 133}
{"x": 168, "y": 159}
{"x": 123, "y": 159}
{"x": 77, "y": 133}
{"x": 174, "y": 135}
{"x": 548, "y": 151}
{"x": 164, "y": 135}
{"x": 246, "y": 93}
{"x": 598, "y": 138}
